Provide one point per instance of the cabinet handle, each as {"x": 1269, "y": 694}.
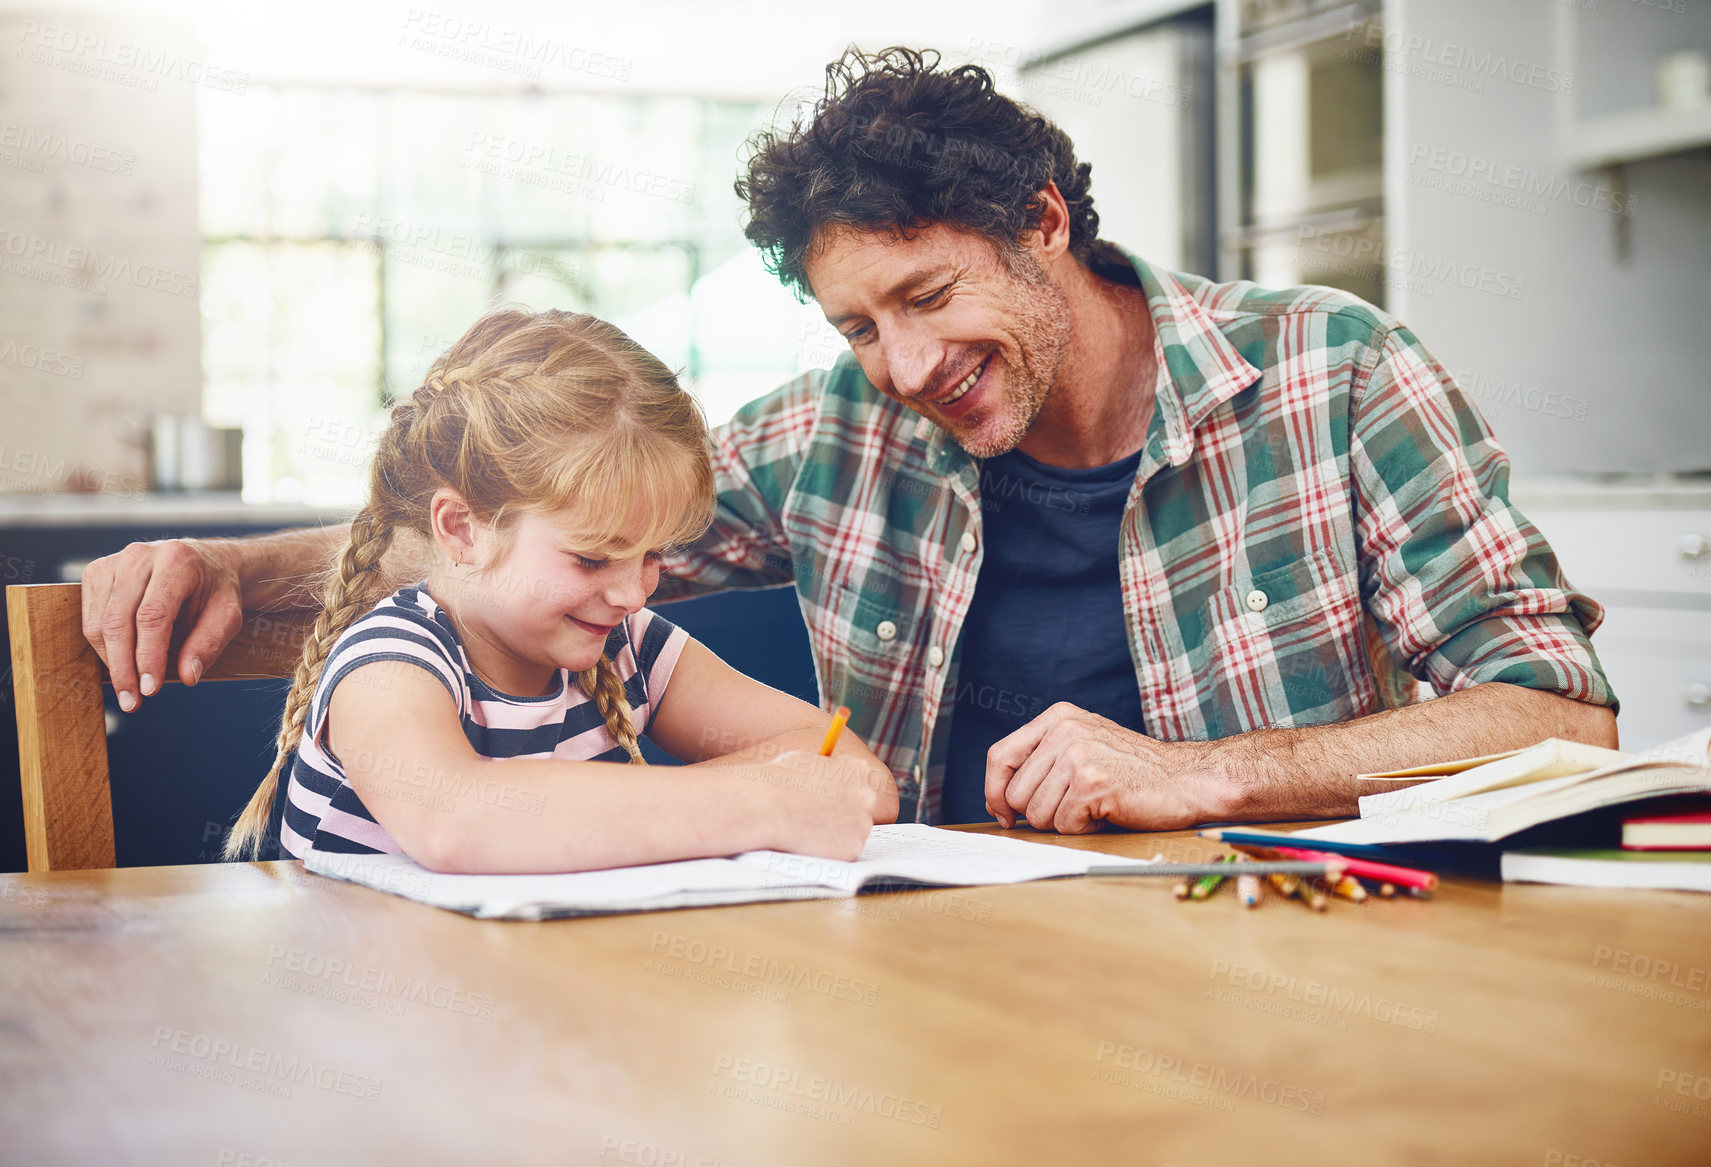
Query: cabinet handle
{"x": 1692, "y": 546}
{"x": 1698, "y": 694}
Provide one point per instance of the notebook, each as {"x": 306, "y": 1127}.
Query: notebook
{"x": 896, "y": 855}
{"x": 1678, "y": 870}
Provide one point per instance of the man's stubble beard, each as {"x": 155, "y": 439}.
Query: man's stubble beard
{"x": 1042, "y": 329}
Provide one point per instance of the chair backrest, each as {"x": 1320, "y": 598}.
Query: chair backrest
{"x": 62, "y": 729}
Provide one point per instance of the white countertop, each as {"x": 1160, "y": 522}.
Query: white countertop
{"x": 154, "y": 509}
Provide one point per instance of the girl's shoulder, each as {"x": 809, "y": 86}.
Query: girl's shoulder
{"x": 409, "y": 614}
{"x": 407, "y": 627}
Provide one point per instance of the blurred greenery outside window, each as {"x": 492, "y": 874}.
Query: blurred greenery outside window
{"x": 350, "y": 236}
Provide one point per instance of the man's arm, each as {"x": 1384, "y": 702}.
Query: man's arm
{"x": 1072, "y": 771}
{"x": 133, "y": 600}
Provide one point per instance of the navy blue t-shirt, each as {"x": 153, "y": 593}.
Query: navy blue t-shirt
{"x": 1046, "y": 623}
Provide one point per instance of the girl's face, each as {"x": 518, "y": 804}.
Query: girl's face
{"x": 548, "y": 603}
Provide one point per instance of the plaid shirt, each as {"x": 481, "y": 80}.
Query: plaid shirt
{"x": 1309, "y": 469}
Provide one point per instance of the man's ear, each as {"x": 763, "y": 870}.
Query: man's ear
{"x": 453, "y": 525}
{"x": 1051, "y": 238}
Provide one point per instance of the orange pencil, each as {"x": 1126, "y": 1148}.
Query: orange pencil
{"x": 839, "y": 720}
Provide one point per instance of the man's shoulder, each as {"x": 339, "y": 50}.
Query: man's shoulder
{"x": 1239, "y": 304}
{"x": 1245, "y": 311}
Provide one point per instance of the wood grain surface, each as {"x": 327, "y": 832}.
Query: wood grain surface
{"x": 205, "y": 1014}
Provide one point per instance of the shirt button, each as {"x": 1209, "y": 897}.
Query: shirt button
{"x": 968, "y": 542}
{"x": 886, "y": 630}
{"x": 935, "y": 656}
{"x": 1257, "y": 601}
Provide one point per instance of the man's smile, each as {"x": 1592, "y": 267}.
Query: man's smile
{"x": 960, "y": 395}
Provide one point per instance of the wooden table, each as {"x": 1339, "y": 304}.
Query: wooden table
{"x": 253, "y": 1013}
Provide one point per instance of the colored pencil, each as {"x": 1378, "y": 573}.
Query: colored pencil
{"x": 1421, "y": 856}
{"x": 1207, "y": 884}
{"x": 1400, "y": 876}
{"x": 1364, "y": 868}
{"x": 1289, "y": 887}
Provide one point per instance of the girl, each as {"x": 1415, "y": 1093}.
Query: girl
{"x": 485, "y": 720}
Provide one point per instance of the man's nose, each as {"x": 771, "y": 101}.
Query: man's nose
{"x": 912, "y": 357}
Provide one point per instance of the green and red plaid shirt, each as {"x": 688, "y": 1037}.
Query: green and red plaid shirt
{"x": 1308, "y": 463}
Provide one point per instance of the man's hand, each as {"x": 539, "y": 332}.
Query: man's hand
{"x": 1072, "y": 771}
{"x": 134, "y": 599}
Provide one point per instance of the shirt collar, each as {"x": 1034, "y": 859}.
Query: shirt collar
{"x": 1198, "y": 368}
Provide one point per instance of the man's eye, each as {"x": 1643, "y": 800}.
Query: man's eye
{"x": 856, "y": 335}
{"x": 932, "y": 298}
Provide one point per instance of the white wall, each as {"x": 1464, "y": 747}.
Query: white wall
{"x": 99, "y": 249}
{"x": 1128, "y": 106}
{"x": 1585, "y": 360}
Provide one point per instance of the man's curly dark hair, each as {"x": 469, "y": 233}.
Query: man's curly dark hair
{"x": 897, "y": 143}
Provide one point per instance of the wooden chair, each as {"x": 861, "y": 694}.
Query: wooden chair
{"x": 62, "y": 726}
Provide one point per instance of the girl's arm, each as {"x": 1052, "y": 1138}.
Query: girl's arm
{"x": 396, "y": 731}
{"x": 711, "y": 715}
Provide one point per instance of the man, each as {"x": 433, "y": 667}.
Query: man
{"x": 1080, "y": 541}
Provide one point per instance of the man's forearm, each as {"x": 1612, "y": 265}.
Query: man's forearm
{"x": 1282, "y": 774}
{"x": 284, "y": 571}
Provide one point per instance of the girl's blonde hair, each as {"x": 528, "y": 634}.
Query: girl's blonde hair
{"x": 526, "y": 412}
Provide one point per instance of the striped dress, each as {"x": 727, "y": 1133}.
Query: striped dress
{"x": 408, "y": 627}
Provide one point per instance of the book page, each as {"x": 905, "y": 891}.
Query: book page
{"x": 531, "y": 896}
{"x": 1434, "y": 769}
{"x": 923, "y": 854}
{"x": 903, "y": 852}
{"x": 1550, "y": 759}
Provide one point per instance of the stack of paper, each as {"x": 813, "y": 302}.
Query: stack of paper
{"x": 904, "y": 854}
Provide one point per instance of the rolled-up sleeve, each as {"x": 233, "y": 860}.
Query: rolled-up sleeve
{"x": 1462, "y": 587}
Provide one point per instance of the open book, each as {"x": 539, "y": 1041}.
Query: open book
{"x": 1547, "y": 782}
{"x": 906, "y": 854}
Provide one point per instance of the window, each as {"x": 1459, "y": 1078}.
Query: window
{"x": 349, "y": 236}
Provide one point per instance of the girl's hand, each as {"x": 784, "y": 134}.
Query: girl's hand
{"x": 824, "y": 806}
